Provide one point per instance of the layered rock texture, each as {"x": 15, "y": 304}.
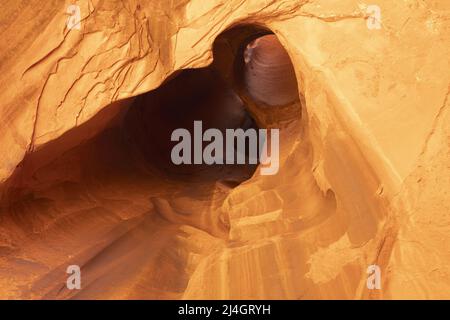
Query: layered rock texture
{"x": 86, "y": 179}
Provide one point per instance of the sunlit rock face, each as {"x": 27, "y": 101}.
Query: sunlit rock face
{"x": 362, "y": 109}
{"x": 269, "y": 74}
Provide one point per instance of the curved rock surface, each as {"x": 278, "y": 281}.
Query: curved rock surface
{"x": 364, "y": 170}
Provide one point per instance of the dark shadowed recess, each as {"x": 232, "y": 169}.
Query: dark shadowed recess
{"x": 130, "y": 139}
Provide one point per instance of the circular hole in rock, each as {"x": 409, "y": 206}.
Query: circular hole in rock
{"x": 268, "y": 74}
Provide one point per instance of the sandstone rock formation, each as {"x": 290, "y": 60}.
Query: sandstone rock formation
{"x": 364, "y": 177}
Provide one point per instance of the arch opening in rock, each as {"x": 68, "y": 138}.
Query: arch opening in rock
{"x": 112, "y": 177}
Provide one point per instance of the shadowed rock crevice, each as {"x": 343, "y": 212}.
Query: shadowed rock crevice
{"x": 358, "y": 92}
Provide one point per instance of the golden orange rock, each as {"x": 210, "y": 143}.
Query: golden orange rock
{"x": 361, "y": 102}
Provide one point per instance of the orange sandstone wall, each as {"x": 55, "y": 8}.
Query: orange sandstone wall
{"x": 364, "y": 155}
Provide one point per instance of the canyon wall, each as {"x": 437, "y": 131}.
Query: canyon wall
{"x": 364, "y": 168}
